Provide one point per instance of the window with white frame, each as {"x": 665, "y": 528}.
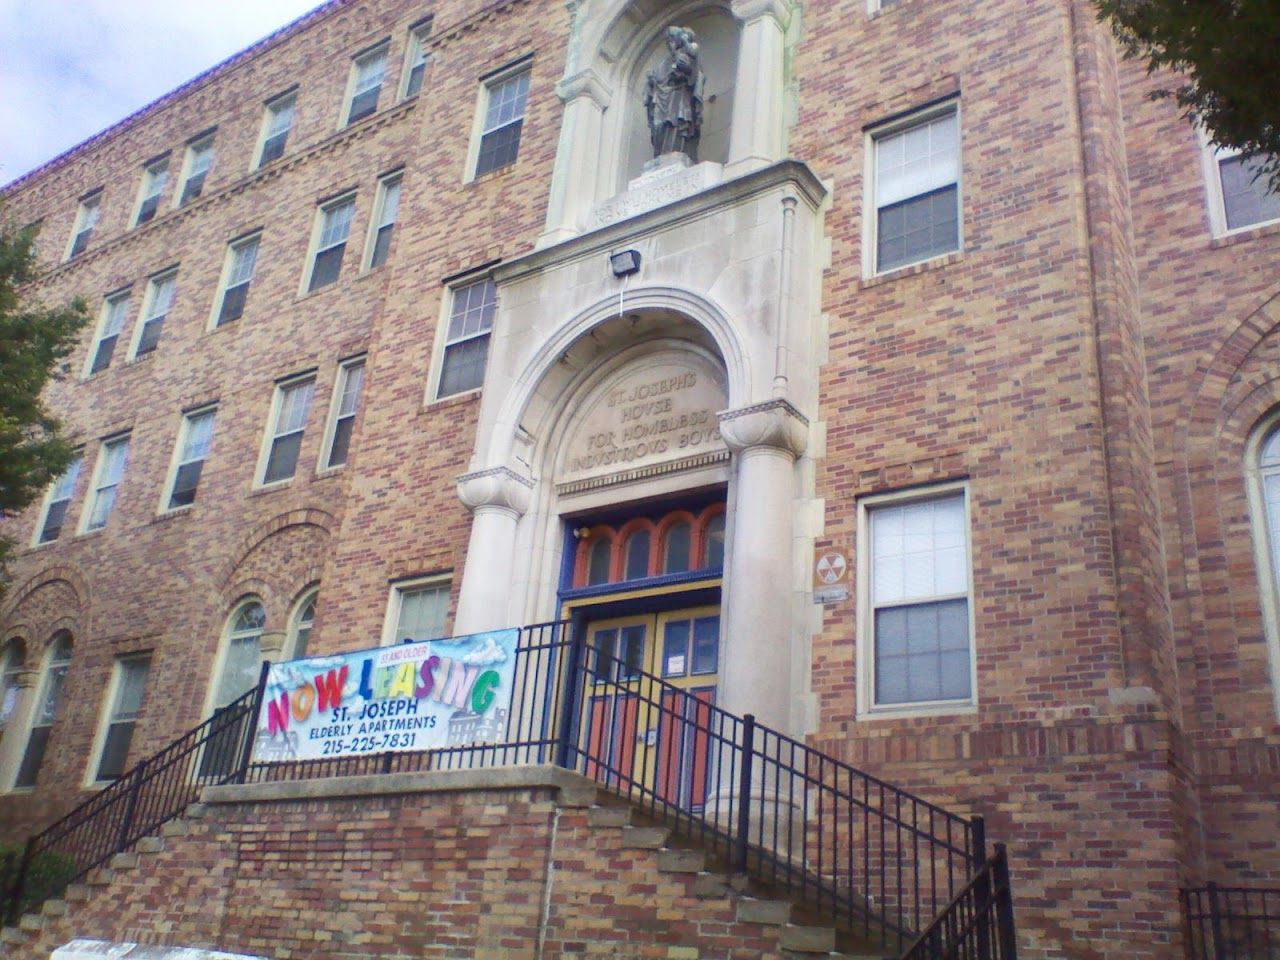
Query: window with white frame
{"x": 112, "y": 458}
{"x": 1240, "y": 192}
{"x": 346, "y": 404}
{"x": 300, "y": 624}
{"x": 49, "y": 696}
{"x": 466, "y": 348}
{"x": 54, "y": 514}
{"x": 114, "y": 308}
{"x": 915, "y": 180}
{"x": 154, "y": 177}
{"x": 242, "y": 257}
{"x": 155, "y": 310}
{"x": 915, "y": 627}
{"x": 194, "y": 441}
{"x": 1263, "y": 469}
{"x": 415, "y": 60}
{"x": 199, "y": 160}
{"x": 86, "y": 220}
{"x": 367, "y": 73}
{"x": 419, "y": 609}
{"x": 503, "y": 104}
{"x": 290, "y": 408}
{"x": 386, "y": 210}
{"x": 12, "y": 666}
{"x": 128, "y": 691}
{"x": 242, "y": 654}
{"x": 332, "y": 230}
{"x": 276, "y": 126}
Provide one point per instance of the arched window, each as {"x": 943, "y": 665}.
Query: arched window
{"x": 714, "y": 540}
{"x": 242, "y": 656}
{"x": 52, "y": 679}
{"x": 300, "y": 623}
{"x": 598, "y": 561}
{"x": 676, "y": 548}
{"x": 11, "y": 663}
{"x": 637, "y": 555}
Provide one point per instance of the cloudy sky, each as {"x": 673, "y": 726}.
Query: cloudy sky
{"x": 71, "y": 68}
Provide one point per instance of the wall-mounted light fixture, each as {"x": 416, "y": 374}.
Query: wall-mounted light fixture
{"x": 624, "y": 262}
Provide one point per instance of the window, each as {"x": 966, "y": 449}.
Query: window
{"x": 384, "y": 221}
{"x": 154, "y": 177}
{"x": 275, "y": 128}
{"x": 155, "y": 309}
{"x": 114, "y": 309}
{"x": 110, "y": 470}
{"x": 304, "y": 616}
{"x": 288, "y": 419}
{"x": 467, "y": 343}
{"x": 915, "y": 627}
{"x": 1240, "y": 192}
{"x": 418, "y": 610}
{"x": 237, "y": 675}
{"x": 11, "y": 670}
{"x": 331, "y": 242}
{"x": 916, "y": 182}
{"x": 346, "y": 403}
{"x": 367, "y": 73}
{"x": 199, "y": 160}
{"x": 52, "y": 679}
{"x": 677, "y": 548}
{"x": 242, "y": 256}
{"x": 416, "y": 59}
{"x": 128, "y": 689}
{"x": 86, "y": 219}
{"x": 55, "y": 507}
{"x": 193, "y": 449}
{"x": 504, "y": 104}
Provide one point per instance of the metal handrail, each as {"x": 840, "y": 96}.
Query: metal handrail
{"x": 1231, "y": 923}
{"x": 977, "y": 924}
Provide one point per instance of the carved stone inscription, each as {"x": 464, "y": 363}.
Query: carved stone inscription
{"x": 651, "y": 413}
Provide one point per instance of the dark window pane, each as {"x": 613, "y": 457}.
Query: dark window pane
{"x": 284, "y": 457}
{"x": 598, "y": 562}
{"x": 327, "y": 267}
{"x": 677, "y": 558}
{"x": 150, "y": 335}
{"x": 81, "y": 241}
{"x": 1246, "y": 192}
{"x": 148, "y": 209}
{"x": 222, "y": 750}
{"x": 53, "y": 521}
{"x": 675, "y": 648}
{"x": 632, "y": 655}
{"x": 917, "y": 228}
{"x": 363, "y": 104}
{"x": 464, "y": 366}
{"x": 233, "y": 303}
{"x": 185, "y": 483}
{"x": 706, "y": 645}
{"x": 922, "y": 652}
{"x": 605, "y": 643}
{"x": 498, "y": 148}
{"x": 382, "y": 245}
{"x": 341, "y": 441}
{"x": 192, "y": 189}
{"x": 715, "y": 542}
{"x": 637, "y": 556}
{"x": 273, "y": 148}
{"x": 102, "y": 359}
{"x": 415, "y": 79}
{"x": 33, "y": 757}
{"x": 115, "y": 750}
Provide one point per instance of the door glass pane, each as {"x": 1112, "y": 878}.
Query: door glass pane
{"x": 675, "y": 648}
{"x": 706, "y": 644}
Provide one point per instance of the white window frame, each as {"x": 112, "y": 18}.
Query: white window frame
{"x": 415, "y": 51}
{"x": 478, "y": 125}
{"x": 197, "y": 149}
{"x": 871, "y": 208}
{"x": 867, "y": 708}
{"x": 442, "y": 342}
{"x": 310, "y": 595}
{"x": 97, "y": 485}
{"x": 1211, "y": 157}
{"x": 386, "y": 183}
{"x": 272, "y": 109}
{"x": 90, "y": 208}
{"x": 149, "y": 304}
{"x": 229, "y": 263}
{"x": 65, "y": 485}
{"x": 177, "y": 461}
{"x": 380, "y": 49}
{"x": 272, "y": 432}
{"x": 41, "y": 691}
{"x": 224, "y": 646}
{"x": 107, "y": 718}
{"x": 1266, "y": 545}
{"x": 396, "y": 599}
{"x": 315, "y": 249}
{"x": 155, "y": 177}
{"x": 13, "y": 664}
{"x": 340, "y": 383}
{"x": 108, "y": 312}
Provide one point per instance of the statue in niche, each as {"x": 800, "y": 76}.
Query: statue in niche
{"x": 673, "y": 97}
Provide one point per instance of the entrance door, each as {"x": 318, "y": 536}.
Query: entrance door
{"x": 652, "y": 683}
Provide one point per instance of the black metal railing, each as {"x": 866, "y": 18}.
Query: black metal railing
{"x": 879, "y": 862}
{"x": 978, "y": 923}
{"x": 1232, "y": 923}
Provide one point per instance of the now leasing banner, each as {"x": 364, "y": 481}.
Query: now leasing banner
{"x": 414, "y": 696}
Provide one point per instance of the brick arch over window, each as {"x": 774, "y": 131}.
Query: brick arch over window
{"x": 54, "y": 599}
{"x": 277, "y": 559}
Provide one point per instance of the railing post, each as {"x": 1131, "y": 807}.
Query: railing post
{"x": 573, "y": 682}
{"x": 13, "y": 909}
{"x": 744, "y": 792}
{"x": 1215, "y": 923}
{"x": 982, "y": 892}
{"x": 1005, "y": 929}
{"x": 131, "y": 805}
{"x": 246, "y": 751}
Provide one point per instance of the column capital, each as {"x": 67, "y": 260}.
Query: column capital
{"x": 498, "y": 487}
{"x": 774, "y": 424}
{"x": 26, "y": 678}
{"x": 748, "y": 10}
{"x": 585, "y": 83}
{"x": 272, "y": 644}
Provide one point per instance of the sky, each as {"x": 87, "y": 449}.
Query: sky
{"x": 71, "y": 68}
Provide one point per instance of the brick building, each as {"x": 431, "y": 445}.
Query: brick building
{"x": 945, "y": 294}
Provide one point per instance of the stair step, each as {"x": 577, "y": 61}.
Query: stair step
{"x": 609, "y": 816}
{"x": 174, "y": 828}
{"x": 800, "y": 939}
{"x": 645, "y": 838}
{"x": 712, "y": 886}
{"x": 150, "y": 845}
{"x": 54, "y": 908}
{"x": 124, "y": 861}
{"x": 101, "y": 877}
{"x": 775, "y": 912}
{"x": 681, "y": 861}
{"x": 76, "y": 892}
{"x": 12, "y": 935}
{"x": 196, "y": 810}
{"x": 31, "y": 921}
{"x": 579, "y": 796}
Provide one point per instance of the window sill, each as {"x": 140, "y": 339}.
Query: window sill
{"x": 261, "y": 490}
{"x": 495, "y": 174}
{"x": 305, "y": 295}
{"x": 143, "y": 358}
{"x": 1244, "y": 234}
{"x": 328, "y": 473}
{"x": 164, "y": 516}
{"x": 81, "y": 534}
{"x": 909, "y": 711}
{"x": 911, "y": 269}
{"x": 453, "y": 400}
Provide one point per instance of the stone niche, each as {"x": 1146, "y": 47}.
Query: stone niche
{"x": 653, "y": 416}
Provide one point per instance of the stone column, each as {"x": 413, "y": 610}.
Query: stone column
{"x": 14, "y": 742}
{"x": 757, "y": 138}
{"x": 271, "y": 645}
{"x": 573, "y": 181}
{"x": 766, "y": 438}
{"x": 497, "y": 498}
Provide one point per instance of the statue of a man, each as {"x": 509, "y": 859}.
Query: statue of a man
{"x": 673, "y": 97}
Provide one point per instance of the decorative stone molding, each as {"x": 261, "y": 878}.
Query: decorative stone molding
{"x": 272, "y": 644}
{"x": 586, "y": 83}
{"x": 748, "y": 10}
{"x": 774, "y": 423}
{"x": 656, "y": 189}
{"x": 26, "y": 679}
{"x": 499, "y": 488}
